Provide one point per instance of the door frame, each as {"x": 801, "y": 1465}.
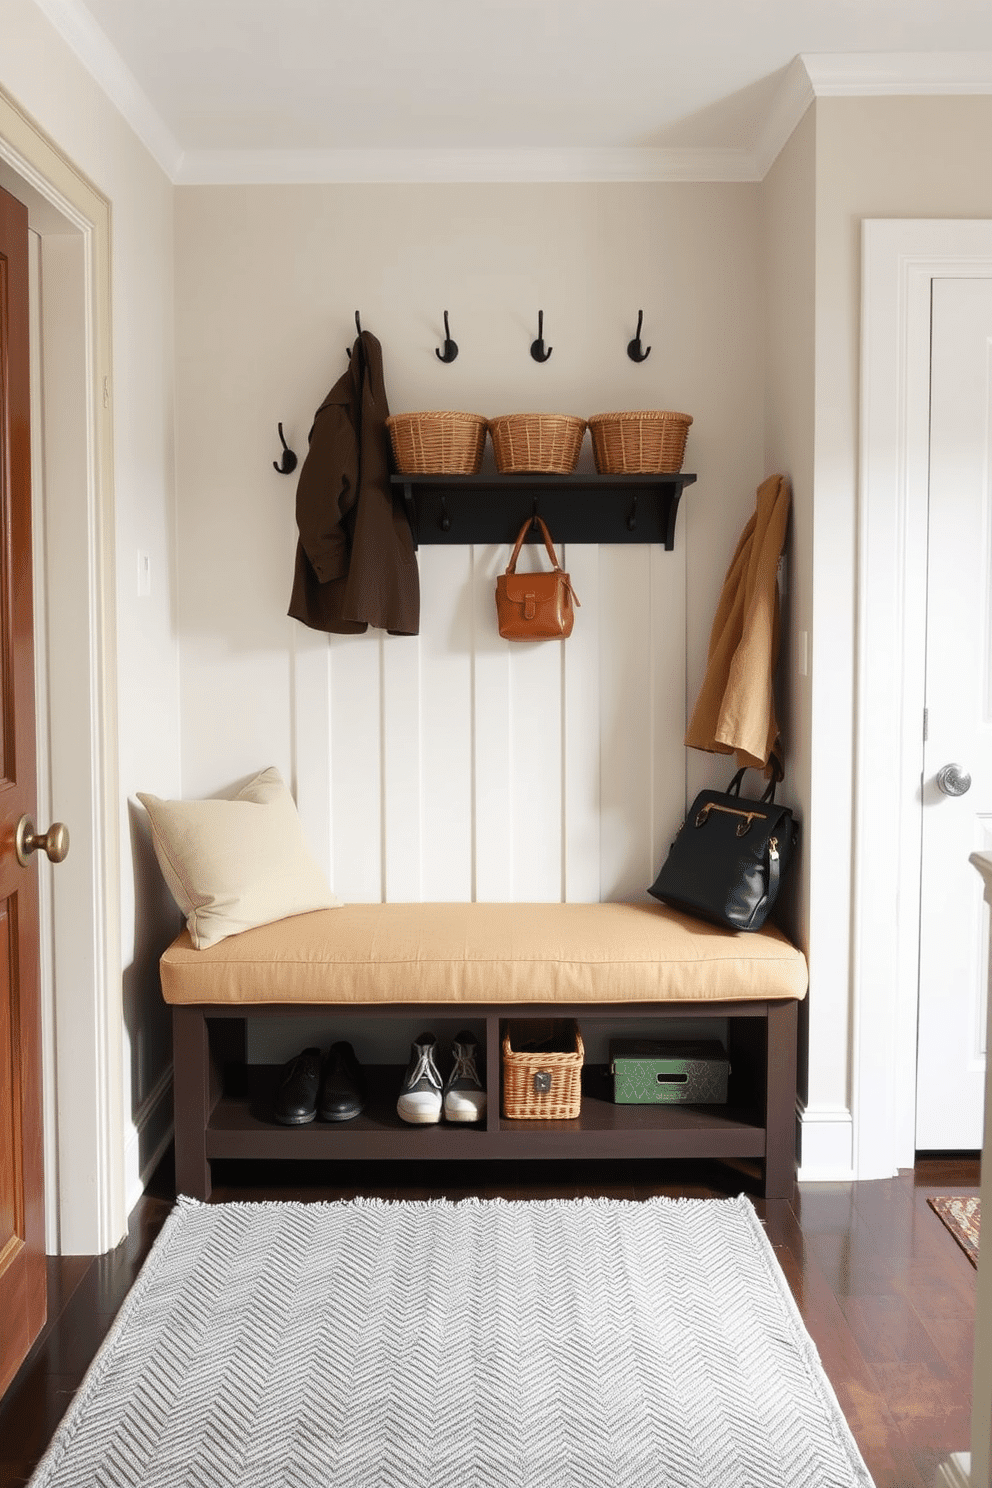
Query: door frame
{"x": 900, "y": 259}
{"x": 81, "y": 946}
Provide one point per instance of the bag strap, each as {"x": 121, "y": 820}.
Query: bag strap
{"x": 512, "y": 565}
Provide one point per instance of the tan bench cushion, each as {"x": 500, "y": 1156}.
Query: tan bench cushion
{"x": 485, "y": 953}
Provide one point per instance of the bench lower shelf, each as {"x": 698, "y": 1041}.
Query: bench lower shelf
{"x": 223, "y": 1106}
{"x": 240, "y": 1126}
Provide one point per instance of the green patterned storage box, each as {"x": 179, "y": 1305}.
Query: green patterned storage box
{"x": 646, "y": 1072}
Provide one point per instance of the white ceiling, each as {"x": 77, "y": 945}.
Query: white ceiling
{"x": 504, "y": 89}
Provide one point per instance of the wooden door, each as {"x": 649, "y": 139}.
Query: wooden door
{"x": 22, "y": 1240}
{"x": 957, "y": 802}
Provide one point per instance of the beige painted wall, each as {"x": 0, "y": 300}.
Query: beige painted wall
{"x": 39, "y": 71}
{"x": 268, "y": 280}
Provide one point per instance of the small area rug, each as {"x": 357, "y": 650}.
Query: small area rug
{"x": 478, "y": 1344}
{"x": 963, "y": 1217}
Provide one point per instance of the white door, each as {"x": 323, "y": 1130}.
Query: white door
{"x": 957, "y": 760}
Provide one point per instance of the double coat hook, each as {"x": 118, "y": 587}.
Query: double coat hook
{"x": 634, "y": 350}
{"x": 287, "y": 464}
{"x": 537, "y": 349}
{"x": 450, "y": 347}
{"x": 358, "y": 328}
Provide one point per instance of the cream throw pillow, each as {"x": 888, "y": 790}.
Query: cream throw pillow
{"x": 234, "y": 864}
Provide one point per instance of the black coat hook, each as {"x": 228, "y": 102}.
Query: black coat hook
{"x": 287, "y": 464}
{"x": 450, "y": 347}
{"x": 537, "y": 349}
{"x": 634, "y": 347}
{"x": 358, "y": 328}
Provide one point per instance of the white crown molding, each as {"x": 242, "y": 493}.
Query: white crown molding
{"x": 105, "y": 65}
{"x": 267, "y": 167}
{"x": 881, "y": 74}
{"x": 809, "y": 76}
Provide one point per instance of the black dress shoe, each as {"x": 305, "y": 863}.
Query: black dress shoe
{"x": 343, "y": 1090}
{"x": 296, "y": 1096}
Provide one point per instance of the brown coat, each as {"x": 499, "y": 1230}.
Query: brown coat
{"x": 735, "y": 711}
{"x": 355, "y": 560}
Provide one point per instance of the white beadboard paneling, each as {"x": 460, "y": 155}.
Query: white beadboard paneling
{"x": 310, "y": 703}
{"x": 402, "y": 768}
{"x": 456, "y": 765}
{"x": 668, "y": 681}
{"x": 494, "y": 822}
{"x": 581, "y": 783}
{"x": 356, "y": 767}
{"x": 536, "y": 671}
{"x": 446, "y": 608}
{"x": 536, "y": 771}
{"x": 626, "y": 647}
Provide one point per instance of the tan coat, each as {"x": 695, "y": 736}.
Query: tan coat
{"x": 735, "y": 711}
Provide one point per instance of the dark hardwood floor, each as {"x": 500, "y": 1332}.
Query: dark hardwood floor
{"x": 886, "y": 1293}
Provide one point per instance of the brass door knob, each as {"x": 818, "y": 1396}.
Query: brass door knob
{"x": 54, "y": 842}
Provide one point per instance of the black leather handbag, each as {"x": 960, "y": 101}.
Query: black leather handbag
{"x": 729, "y": 857}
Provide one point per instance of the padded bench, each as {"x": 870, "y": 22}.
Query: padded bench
{"x": 461, "y": 964}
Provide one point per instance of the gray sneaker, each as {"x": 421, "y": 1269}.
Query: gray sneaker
{"x": 464, "y": 1096}
{"x": 421, "y": 1092}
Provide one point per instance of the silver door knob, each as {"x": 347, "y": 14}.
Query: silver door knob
{"x": 953, "y": 781}
{"x": 54, "y": 842}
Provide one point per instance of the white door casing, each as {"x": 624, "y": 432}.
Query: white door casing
{"x": 900, "y": 261}
{"x": 950, "y": 1087}
{"x": 81, "y": 963}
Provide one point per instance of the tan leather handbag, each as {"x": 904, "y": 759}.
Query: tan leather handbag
{"x": 535, "y": 606}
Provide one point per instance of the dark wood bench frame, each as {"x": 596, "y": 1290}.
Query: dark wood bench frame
{"x": 221, "y": 1103}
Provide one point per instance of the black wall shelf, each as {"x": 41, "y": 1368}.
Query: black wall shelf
{"x": 576, "y": 508}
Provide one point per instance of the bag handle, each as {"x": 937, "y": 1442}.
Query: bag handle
{"x": 768, "y": 796}
{"x": 512, "y": 565}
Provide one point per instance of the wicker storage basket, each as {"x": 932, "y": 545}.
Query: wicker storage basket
{"x": 639, "y": 443}
{"x": 538, "y": 443}
{"x": 545, "y": 1085}
{"x": 437, "y": 443}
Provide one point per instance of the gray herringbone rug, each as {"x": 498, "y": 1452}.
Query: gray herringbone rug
{"x": 469, "y": 1345}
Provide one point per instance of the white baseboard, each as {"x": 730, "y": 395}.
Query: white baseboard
{"x": 955, "y": 1472}
{"x": 826, "y": 1145}
{"x": 149, "y": 1134}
